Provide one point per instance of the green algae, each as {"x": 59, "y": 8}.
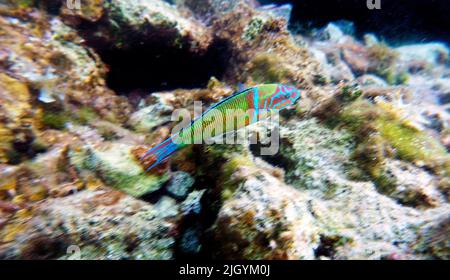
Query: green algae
{"x": 230, "y": 185}
{"x": 116, "y": 166}
{"x": 25, "y": 3}
{"x": 219, "y": 162}
{"x": 402, "y": 78}
{"x": 13, "y": 156}
{"x": 409, "y": 143}
{"x": 350, "y": 93}
{"x": 381, "y": 133}
{"x": 86, "y": 115}
{"x": 55, "y": 119}
{"x": 384, "y": 59}
{"x": 393, "y": 77}
{"x": 253, "y": 29}
{"x": 266, "y": 68}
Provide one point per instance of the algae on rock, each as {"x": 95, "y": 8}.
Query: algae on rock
{"x": 115, "y": 164}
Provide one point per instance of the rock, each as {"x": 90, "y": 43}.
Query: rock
{"x": 265, "y": 219}
{"x": 443, "y": 88}
{"x": 190, "y": 243}
{"x": 326, "y": 68}
{"x": 126, "y": 23}
{"x": 412, "y": 186}
{"x": 192, "y": 204}
{"x": 431, "y": 53}
{"x": 307, "y": 148}
{"x": 356, "y": 222}
{"x": 357, "y": 58}
{"x": 385, "y": 131}
{"x": 50, "y": 59}
{"x": 29, "y": 183}
{"x": 433, "y": 239}
{"x": 209, "y": 10}
{"x": 341, "y": 72}
{"x": 372, "y": 80}
{"x": 445, "y": 140}
{"x": 167, "y": 207}
{"x": 320, "y": 56}
{"x": 180, "y": 184}
{"x": 115, "y": 164}
{"x": 283, "y": 11}
{"x": 91, "y": 11}
{"x": 347, "y": 27}
{"x": 267, "y": 52}
{"x": 152, "y": 116}
{"x": 444, "y": 98}
{"x": 17, "y": 127}
{"x": 435, "y": 120}
{"x": 331, "y": 33}
{"x": 370, "y": 40}
{"x": 56, "y": 172}
{"x": 344, "y": 219}
{"x": 334, "y": 68}
{"x": 102, "y": 224}
{"x": 361, "y": 173}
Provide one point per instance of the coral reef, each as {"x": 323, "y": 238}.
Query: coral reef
{"x": 116, "y": 165}
{"x": 103, "y": 224}
{"x": 265, "y": 219}
{"x": 121, "y": 23}
{"x": 363, "y": 165}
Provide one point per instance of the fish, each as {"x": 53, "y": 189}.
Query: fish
{"x": 260, "y": 100}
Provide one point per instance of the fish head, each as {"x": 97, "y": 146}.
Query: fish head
{"x": 292, "y": 94}
{"x": 277, "y": 97}
{"x": 287, "y": 96}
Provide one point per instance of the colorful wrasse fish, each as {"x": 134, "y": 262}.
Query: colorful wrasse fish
{"x": 259, "y": 100}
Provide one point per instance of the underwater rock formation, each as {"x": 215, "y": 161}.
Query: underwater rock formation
{"x": 98, "y": 224}
{"x": 264, "y": 219}
{"x": 116, "y": 165}
{"x": 122, "y": 24}
{"x": 349, "y": 220}
{"x": 362, "y": 170}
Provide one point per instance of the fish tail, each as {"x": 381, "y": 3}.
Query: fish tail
{"x": 161, "y": 152}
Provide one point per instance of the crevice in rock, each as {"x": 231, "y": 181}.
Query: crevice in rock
{"x": 199, "y": 226}
{"x": 278, "y": 159}
{"x": 43, "y": 247}
{"x": 196, "y": 230}
{"x": 326, "y": 247}
{"x": 153, "y": 66}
